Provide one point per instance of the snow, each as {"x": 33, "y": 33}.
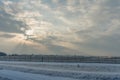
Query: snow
{"x": 58, "y": 71}
{"x": 15, "y": 75}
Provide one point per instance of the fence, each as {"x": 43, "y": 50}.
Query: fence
{"x": 53, "y": 58}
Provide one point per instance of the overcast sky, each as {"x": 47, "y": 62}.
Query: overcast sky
{"x": 62, "y": 27}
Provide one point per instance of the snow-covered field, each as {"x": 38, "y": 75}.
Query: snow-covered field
{"x": 58, "y": 71}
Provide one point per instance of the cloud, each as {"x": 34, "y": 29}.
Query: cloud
{"x": 7, "y": 35}
{"x": 7, "y": 21}
{"x": 89, "y": 27}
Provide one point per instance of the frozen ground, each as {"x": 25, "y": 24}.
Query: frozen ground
{"x": 15, "y": 75}
{"x": 58, "y": 71}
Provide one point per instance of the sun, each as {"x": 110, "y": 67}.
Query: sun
{"x": 29, "y": 32}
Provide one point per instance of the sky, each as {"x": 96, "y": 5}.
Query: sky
{"x": 60, "y": 27}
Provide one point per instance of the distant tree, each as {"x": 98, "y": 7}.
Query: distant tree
{"x": 14, "y": 54}
{"x": 3, "y": 54}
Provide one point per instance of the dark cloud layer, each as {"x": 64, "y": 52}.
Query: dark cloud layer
{"x": 8, "y": 23}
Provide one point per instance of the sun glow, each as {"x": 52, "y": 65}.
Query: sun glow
{"x": 29, "y": 32}
{"x": 37, "y": 33}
